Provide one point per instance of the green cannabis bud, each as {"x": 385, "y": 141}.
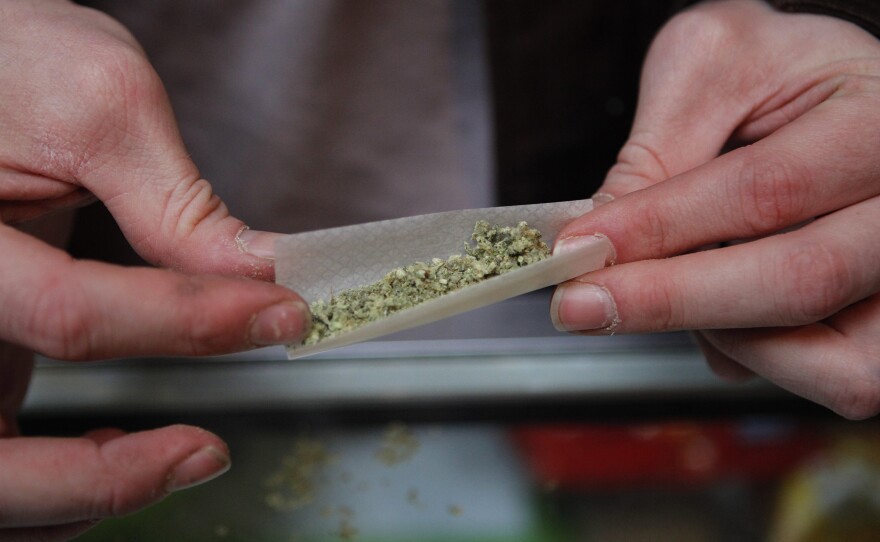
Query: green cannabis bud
{"x": 494, "y": 250}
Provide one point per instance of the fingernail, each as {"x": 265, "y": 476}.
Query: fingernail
{"x": 202, "y": 466}
{"x": 581, "y": 306}
{"x": 601, "y": 198}
{"x": 581, "y": 242}
{"x": 283, "y": 323}
{"x": 256, "y": 243}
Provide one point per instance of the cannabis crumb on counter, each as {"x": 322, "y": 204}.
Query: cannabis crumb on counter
{"x": 399, "y": 444}
{"x": 311, "y": 467}
{"x": 494, "y": 251}
{"x": 294, "y": 484}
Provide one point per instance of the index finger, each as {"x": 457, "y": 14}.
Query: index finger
{"x": 814, "y": 165}
{"x": 70, "y": 309}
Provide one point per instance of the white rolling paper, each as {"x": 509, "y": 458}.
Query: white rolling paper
{"x": 319, "y": 263}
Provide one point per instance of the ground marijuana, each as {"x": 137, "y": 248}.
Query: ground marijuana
{"x": 494, "y": 250}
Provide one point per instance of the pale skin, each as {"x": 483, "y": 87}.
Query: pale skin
{"x": 798, "y": 98}
{"x": 82, "y": 115}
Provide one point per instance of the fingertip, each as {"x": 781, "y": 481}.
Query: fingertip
{"x": 255, "y": 243}
{"x": 724, "y": 367}
{"x": 179, "y": 457}
{"x": 286, "y": 322}
{"x": 202, "y": 466}
{"x": 233, "y": 250}
{"x": 582, "y": 306}
{"x": 601, "y": 198}
{"x": 258, "y": 250}
{"x": 214, "y": 242}
{"x": 206, "y": 459}
{"x": 554, "y": 309}
{"x": 624, "y": 178}
{"x": 727, "y": 369}
{"x": 586, "y": 245}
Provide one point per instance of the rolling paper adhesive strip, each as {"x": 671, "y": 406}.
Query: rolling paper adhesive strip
{"x": 319, "y": 263}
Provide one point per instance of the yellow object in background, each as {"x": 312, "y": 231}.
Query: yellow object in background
{"x": 835, "y": 498}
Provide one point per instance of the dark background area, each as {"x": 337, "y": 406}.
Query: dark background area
{"x": 564, "y": 78}
{"x": 564, "y": 82}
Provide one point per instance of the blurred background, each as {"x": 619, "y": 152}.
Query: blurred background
{"x": 499, "y": 431}
{"x": 490, "y": 426}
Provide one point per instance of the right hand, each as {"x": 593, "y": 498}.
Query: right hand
{"x": 793, "y": 292}
{"x": 83, "y": 115}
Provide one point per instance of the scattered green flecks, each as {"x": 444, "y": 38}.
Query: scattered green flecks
{"x": 399, "y": 444}
{"x": 294, "y": 485}
{"x": 494, "y": 250}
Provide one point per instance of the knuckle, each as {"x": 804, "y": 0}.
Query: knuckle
{"x": 58, "y": 323}
{"x": 109, "y": 86}
{"x": 111, "y": 497}
{"x": 115, "y": 74}
{"x": 770, "y": 193}
{"x": 817, "y": 282}
{"x": 639, "y": 162}
{"x": 189, "y": 206}
{"x": 658, "y": 307}
{"x": 858, "y": 397}
{"x": 701, "y": 25}
{"x": 712, "y": 31}
{"x": 201, "y": 333}
{"x": 652, "y": 230}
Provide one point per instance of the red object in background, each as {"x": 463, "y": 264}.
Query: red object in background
{"x": 579, "y": 456}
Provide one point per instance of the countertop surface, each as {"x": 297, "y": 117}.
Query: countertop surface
{"x": 507, "y": 353}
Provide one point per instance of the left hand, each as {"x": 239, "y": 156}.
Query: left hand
{"x": 83, "y": 114}
{"x": 105, "y": 472}
{"x": 797, "y": 98}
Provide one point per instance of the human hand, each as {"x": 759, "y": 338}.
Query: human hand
{"x": 83, "y": 115}
{"x": 57, "y": 488}
{"x": 797, "y": 98}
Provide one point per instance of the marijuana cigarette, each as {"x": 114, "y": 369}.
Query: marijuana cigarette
{"x": 493, "y": 250}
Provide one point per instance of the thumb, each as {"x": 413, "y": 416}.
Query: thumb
{"x": 143, "y": 173}
{"x": 104, "y": 474}
{"x": 691, "y": 101}
{"x": 83, "y": 107}
{"x": 173, "y": 218}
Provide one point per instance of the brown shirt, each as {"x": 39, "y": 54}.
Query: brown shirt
{"x": 306, "y": 114}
